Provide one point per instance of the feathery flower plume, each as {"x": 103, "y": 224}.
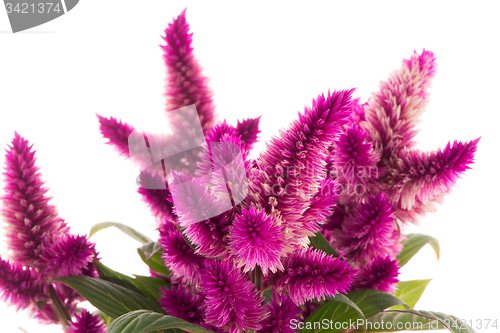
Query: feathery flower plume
{"x": 382, "y": 274}
{"x": 116, "y": 132}
{"x": 179, "y": 257}
{"x": 29, "y": 217}
{"x": 392, "y": 113}
{"x": 66, "y": 255}
{"x": 282, "y": 312}
{"x": 20, "y": 287}
{"x": 156, "y": 199}
{"x": 257, "y": 239}
{"x": 368, "y": 231}
{"x": 422, "y": 177}
{"x": 86, "y": 322}
{"x": 210, "y": 235}
{"x": 185, "y": 84}
{"x": 249, "y": 131}
{"x": 293, "y": 166}
{"x": 183, "y": 304}
{"x": 311, "y": 273}
{"x": 231, "y": 302}
{"x": 356, "y": 165}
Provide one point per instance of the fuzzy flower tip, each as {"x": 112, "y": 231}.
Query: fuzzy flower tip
{"x": 185, "y": 83}
{"x": 368, "y": 231}
{"x": 66, "y": 255}
{"x": 29, "y": 217}
{"x": 249, "y": 130}
{"x": 311, "y": 273}
{"x": 381, "y": 274}
{"x": 282, "y": 312}
{"x": 20, "y": 287}
{"x": 257, "y": 239}
{"x": 117, "y": 133}
{"x": 393, "y": 112}
{"x": 86, "y": 322}
{"x": 183, "y": 304}
{"x": 179, "y": 257}
{"x": 293, "y": 165}
{"x": 231, "y": 302}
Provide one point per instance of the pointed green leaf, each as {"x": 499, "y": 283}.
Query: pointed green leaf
{"x": 410, "y": 292}
{"x": 319, "y": 242}
{"x": 344, "y": 299}
{"x": 404, "y": 320}
{"x": 413, "y": 244}
{"x": 148, "y": 288}
{"x": 151, "y": 255}
{"x": 126, "y": 229}
{"x": 369, "y": 301}
{"x": 142, "y": 321}
{"x": 112, "y": 299}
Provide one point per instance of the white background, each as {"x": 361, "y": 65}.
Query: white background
{"x": 263, "y": 59}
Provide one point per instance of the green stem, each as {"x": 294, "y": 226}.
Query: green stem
{"x": 59, "y": 308}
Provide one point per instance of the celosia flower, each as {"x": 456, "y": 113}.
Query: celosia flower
{"x": 29, "y": 217}
{"x": 249, "y": 131}
{"x": 66, "y": 255}
{"x": 282, "y": 312}
{"x": 20, "y": 287}
{"x": 116, "y": 132}
{"x": 392, "y": 113}
{"x": 87, "y": 322}
{"x": 155, "y": 198}
{"x": 231, "y": 302}
{"x": 185, "y": 84}
{"x": 183, "y": 304}
{"x": 311, "y": 273}
{"x": 422, "y": 177}
{"x": 356, "y": 165}
{"x": 210, "y": 236}
{"x": 293, "y": 166}
{"x": 257, "y": 239}
{"x": 382, "y": 274}
{"x": 178, "y": 256}
{"x": 368, "y": 231}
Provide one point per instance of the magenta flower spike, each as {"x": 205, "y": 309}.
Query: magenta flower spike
{"x": 355, "y": 164}
{"x": 370, "y": 230}
{"x": 29, "y": 217}
{"x": 282, "y": 312}
{"x": 392, "y": 113}
{"x": 116, "y": 132}
{"x": 422, "y": 179}
{"x": 257, "y": 239}
{"x": 181, "y": 303}
{"x": 382, "y": 274}
{"x": 86, "y": 322}
{"x": 249, "y": 131}
{"x": 185, "y": 84}
{"x": 293, "y": 166}
{"x": 231, "y": 302}
{"x": 21, "y": 288}
{"x": 66, "y": 255}
{"x": 311, "y": 273}
{"x": 178, "y": 256}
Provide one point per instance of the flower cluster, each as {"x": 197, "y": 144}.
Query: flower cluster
{"x": 234, "y": 230}
{"x": 39, "y": 242}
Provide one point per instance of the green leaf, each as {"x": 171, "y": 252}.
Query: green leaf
{"x": 126, "y": 229}
{"x": 107, "y": 319}
{"x": 413, "y": 244}
{"x": 148, "y": 288}
{"x": 142, "y": 321}
{"x": 369, "y": 301}
{"x": 112, "y": 299}
{"x": 151, "y": 255}
{"x": 319, "y": 242}
{"x": 410, "y": 291}
{"x": 415, "y": 320}
{"x": 344, "y": 299}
